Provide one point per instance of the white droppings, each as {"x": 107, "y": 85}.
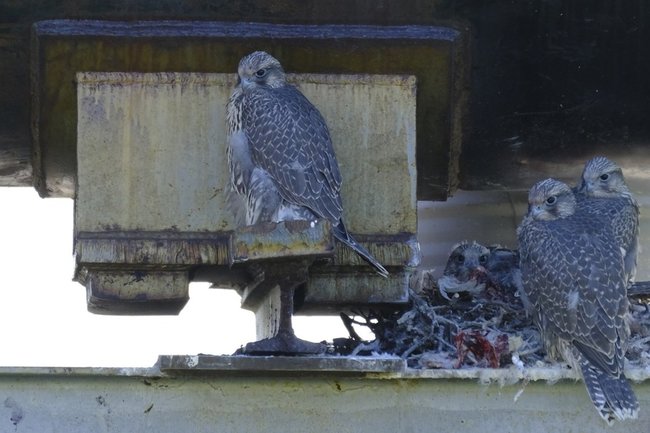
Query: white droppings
{"x": 517, "y": 362}
{"x": 518, "y": 394}
{"x": 192, "y": 361}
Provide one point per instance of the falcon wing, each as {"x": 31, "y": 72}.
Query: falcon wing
{"x": 623, "y": 215}
{"x": 600, "y": 326}
{"x": 576, "y": 278}
{"x": 289, "y": 139}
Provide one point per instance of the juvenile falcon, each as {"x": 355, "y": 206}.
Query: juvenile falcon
{"x": 465, "y": 270}
{"x": 572, "y": 271}
{"x": 483, "y": 272}
{"x": 603, "y": 191}
{"x": 280, "y": 153}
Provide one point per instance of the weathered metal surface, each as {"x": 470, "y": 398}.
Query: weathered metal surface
{"x": 180, "y": 364}
{"x": 277, "y": 258}
{"x": 148, "y": 272}
{"x": 61, "y": 48}
{"x": 135, "y": 291}
{"x": 267, "y": 309}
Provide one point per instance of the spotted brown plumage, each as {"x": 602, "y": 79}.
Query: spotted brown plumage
{"x": 573, "y": 274}
{"x": 281, "y": 158}
{"x": 603, "y": 191}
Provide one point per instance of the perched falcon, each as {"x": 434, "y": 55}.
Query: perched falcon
{"x": 603, "y": 191}
{"x": 280, "y": 154}
{"x": 572, "y": 271}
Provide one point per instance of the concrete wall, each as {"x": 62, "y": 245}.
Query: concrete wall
{"x": 99, "y": 400}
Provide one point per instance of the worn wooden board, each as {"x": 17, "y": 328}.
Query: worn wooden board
{"x": 152, "y": 180}
{"x": 151, "y": 150}
{"x": 61, "y": 48}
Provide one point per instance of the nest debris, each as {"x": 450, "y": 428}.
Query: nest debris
{"x": 485, "y": 330}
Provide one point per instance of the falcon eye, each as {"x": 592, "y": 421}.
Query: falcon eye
{"x": 460, "y": 258}
{"x": 260, "y": 73}
{"x": 604, "y": 177}
{"x": 551, "y": 200}
{"x": 483, "y": 259}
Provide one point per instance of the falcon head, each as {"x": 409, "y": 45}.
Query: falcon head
{"x": 549, "y": 200}
{"x": 601, "y": 177}
{"x": 260, "y": 69}
{"x": 465, "y": 270}
{"x": 467, "y": 260}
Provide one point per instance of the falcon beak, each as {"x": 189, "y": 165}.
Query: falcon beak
{"x": 246, "y": 83}
{"x": 534, "y": 211}
{"x": 586, "y": 187}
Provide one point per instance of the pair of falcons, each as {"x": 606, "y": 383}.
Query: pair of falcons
{"x": 576, "y": 260}
{"x": 577, "y": 247}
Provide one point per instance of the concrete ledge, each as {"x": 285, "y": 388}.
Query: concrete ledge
{"x": 179, "y": 364}
{"x": 385, "y": 367}
{"x": 380, "y": 367}
{"x": 141, "y": 400}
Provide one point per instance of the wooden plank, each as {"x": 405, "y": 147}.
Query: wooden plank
{"x": 151, "y": 184}
{"x": 64, "y": 47}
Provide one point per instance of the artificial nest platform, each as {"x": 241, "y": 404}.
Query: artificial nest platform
{"x": 490, "y": 330}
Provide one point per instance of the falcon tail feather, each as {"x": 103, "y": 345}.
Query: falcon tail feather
{"x": 341, "y": 233}
{"x": 612, "y": 396}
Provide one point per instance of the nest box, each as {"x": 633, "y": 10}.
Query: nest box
{"x": 129, "y": 118}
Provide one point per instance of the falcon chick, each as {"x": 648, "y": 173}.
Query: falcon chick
{"x": 504, "y": 276}
{"x": 280, "y": 153}
{"x": 465, "y": 270}
{"x": 485, "y": 272}
{"x": 603, "y": 191}
{"x": 573, "y": 274}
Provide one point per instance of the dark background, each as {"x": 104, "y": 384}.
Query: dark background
{"x": 549, "y": 79}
